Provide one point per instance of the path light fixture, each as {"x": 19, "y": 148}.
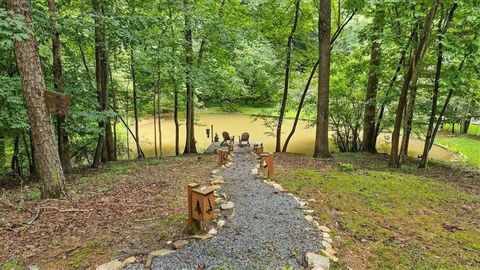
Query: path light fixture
{"x": 266, "y": 163}
{"x": 222, "y": 156}
{"x": 201, "y": 206}
{"x": 208, "y": 132}
{"x": 258, "y": 148}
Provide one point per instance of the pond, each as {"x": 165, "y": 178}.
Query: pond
{"x": 302, "y": 142}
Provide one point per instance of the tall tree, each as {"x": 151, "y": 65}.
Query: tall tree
{"x": 104, "y": 150}
{"x": 414, "y": 62}
{"x": 368, "y": 142}
{"x": 431, "y": 129}
{"x": 190, "y": 147}
{"x": 324, "y": 28}
{"x": 33, "y": 85}
{"x": 62, "y": 135}
{"x": 287, "y": 77}
{"x": 310, "y": 78}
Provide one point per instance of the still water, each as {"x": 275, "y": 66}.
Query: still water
{"x": 302, "y": 142}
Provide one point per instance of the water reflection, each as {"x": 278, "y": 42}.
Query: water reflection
{"x": 302, "y": 142}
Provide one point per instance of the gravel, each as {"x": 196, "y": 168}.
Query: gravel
{"x": 268, "y": 230}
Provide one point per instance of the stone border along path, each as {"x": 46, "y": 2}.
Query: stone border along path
{"x": 259, "y": 227}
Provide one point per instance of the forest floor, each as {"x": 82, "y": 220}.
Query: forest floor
{"x": 123, "y": 209}
{"x": 391, "y": 218}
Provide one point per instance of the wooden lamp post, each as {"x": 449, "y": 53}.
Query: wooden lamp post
{"x": 201, "y": 206}
{"x": 222, "y": 156}
{"x": 266, "y": 163}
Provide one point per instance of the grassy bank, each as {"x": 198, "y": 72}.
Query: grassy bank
{"x": 391, "y": 219}
{"x": 467, "y": 146}
{"x": 123, "y": 209}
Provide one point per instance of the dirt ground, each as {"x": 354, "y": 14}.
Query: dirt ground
{"x": 123, "y": 209}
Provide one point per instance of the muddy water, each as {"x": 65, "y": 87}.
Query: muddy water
{"x": 302, "y": 142}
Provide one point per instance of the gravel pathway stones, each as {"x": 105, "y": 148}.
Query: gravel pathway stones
{"x": 267, "y": 231}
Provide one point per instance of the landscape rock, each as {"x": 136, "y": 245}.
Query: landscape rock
{"x": 326, "y": 235}
{"x": 312, "y": 200}
{"x": 228, "y": 205}
{"x": 33, "y": 267}
{"x": 324, "y": 229}
{"x": 130, "y": 260}
{"x": 215, "y": 187}
{"x": 309, "y": 211}
{"x": 215, "y": 171}
{"x": 203, "y": 236}
{"x": 309, "y": 218}
{"x": 113, "y": 265}
{"x": 157, "y": 253}
{"x": 330, "y": 251}
{"x": 220, "y": 223}
{"x": 326, "y": 245}
{"x": 179, "y": 244}
{"x": 327, "y": 239}
{"x": 330, "y": 256}
{"x": 217, "y": 182}
{"x": 278, "y": 187}
{"x": 213, "y": 231}
{"x": 317, "y": 262}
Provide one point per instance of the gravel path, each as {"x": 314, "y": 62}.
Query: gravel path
{"x": 268, "y": 230}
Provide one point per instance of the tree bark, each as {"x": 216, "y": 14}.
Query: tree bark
{"x": 62, "y": 135}
{"x": 324, "y": 28}
{"x": 408, "y": 119}
{"x": 307, "y": 86}
{"x": 287, "y": 78}
{"x": 394, "y": 157}
{"x": 190, "y": 147}
{"x": 372, "y": 85}
{"x": 135, "y": 105}
{"x": 432, "y": 129}
{"x": 33, "y": 85}
{"x": 2, "y": 151}
{"x": 104, "y": 148}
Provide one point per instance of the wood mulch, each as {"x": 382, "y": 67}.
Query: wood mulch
{"x": 123, "y": 209}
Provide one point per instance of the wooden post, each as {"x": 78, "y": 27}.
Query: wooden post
{"x": 193, "y": 225}
{"x": 267, "y": 158}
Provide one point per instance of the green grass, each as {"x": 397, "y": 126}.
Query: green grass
{"x": 472, "y": 129}
{"x": 467, "y": 145}
{"x": 12, "y": 265}
{"x": 392, "y": 220}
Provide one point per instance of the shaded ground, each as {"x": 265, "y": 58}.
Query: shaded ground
{"x": 124, "y": 209}
{"x": 268, "y": 230}
{"x": 391, "y": 219}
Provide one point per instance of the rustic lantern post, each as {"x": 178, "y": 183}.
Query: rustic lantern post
{"x": 201, "y": 206}
{"x": 258, "y": 149}
{"x": 222, "y": 156}
{"x": 266, "y": 163}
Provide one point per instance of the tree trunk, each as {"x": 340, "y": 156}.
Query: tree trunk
{"x": 394, "y": 157}
{"x": 432, "y": 130}
{"x": 135, "y": 107}
{"x": 175, "y": 120}
{"x": 324, "y": 27}
{"x": 287, "y": 78}
{"x": 190, "y": 147}
{"x": 33, "y": 85}
{"x": 307, "y": 86}
{"x": 465, "y": 125}
{"x": 159, "y": 119}
{"x": 2, "y": 151}
{"x": 62, "y": 136}
{"x": 408, "y": 119}
{"x": 101, "y": 73}
{"x": 372, "y": 85}
{"x": 114, "y": 100}
{"x": 15, "y": 166}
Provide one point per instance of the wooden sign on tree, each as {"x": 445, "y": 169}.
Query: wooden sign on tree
{"x": 57, "y": 103}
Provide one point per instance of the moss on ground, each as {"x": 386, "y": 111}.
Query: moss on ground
{"x": 392, "y": 219}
